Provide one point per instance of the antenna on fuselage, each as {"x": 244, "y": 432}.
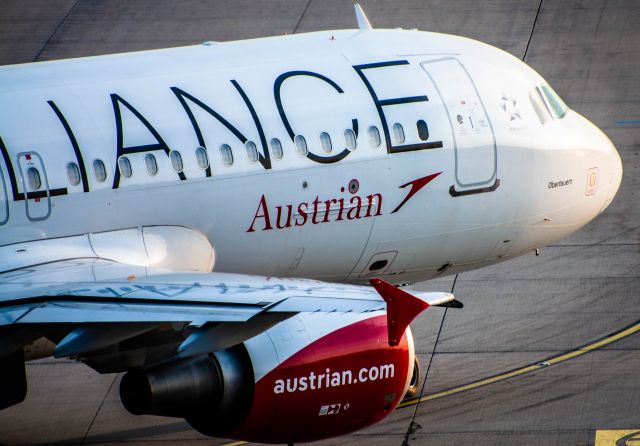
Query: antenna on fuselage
{"x": 363, "y": 21}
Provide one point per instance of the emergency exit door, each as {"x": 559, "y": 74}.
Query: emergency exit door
{"x": 474, "y": 140}
{"x": 35, "y": 186}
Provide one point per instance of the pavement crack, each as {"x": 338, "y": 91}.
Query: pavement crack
{"x": 414, "y": 427}
{"x": 533, "y": 27}
{"x": 55, "y": 31}
{"x": 106, "y": 394}
{"x": 295, "y": 29}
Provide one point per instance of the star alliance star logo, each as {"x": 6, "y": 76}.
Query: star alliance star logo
{"x": 510, "y": 107}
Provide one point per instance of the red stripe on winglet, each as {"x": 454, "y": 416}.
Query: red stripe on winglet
{"x": 402, "y": 308}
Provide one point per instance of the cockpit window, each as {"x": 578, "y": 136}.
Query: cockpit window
{"x": 539, "y": 105}
{"x": 547, "y": 104}
{"x": 557, "y": 105}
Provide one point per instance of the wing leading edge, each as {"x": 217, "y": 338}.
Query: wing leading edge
{"x": 94, "y": 303}
{"x": 117, "y": 316}
{"x": 94, "y": 294}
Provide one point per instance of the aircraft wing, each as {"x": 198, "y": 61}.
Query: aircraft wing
{"x": 129, "y": 300}
{"x": 99, "y": 295}
{"x": 70, "y": 284}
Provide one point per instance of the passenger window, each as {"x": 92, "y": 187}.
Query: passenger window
{"x": 301, "y": 145}
{"x": 125, "y": 167}
{"x": 423, "y": 130}
{"x": 398, "y": 133}
{"x": 99, "y": 170}
{"x": 202, "y": 158}
{"x": 73, "y": 174}
{"x": 325, "y": 142}
{"x": 374, "y": 136}
{"x": 151, "y": 164}
{"x": 176, "y": 161}
{"x": 350, "y": 139}
{"x": 33, "y": 177}
{"x": 276, "y": 148}
{"x": 226, "y": 154}
{"x": 535, "y": 97}
{"x": 252, "y": 151}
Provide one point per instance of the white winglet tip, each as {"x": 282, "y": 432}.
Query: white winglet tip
{"x": 363, "y": 21}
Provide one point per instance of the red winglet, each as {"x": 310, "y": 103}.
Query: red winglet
{"x": 402, "y": 308}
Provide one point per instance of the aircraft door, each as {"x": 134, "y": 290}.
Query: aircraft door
{"x": 4, "y": 200}
{"x": 35, "y": 186}
{"x": 473, "y": 136}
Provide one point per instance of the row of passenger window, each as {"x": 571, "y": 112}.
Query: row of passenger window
{"x": 226, "y": 152}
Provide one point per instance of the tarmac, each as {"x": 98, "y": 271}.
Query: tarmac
{"x": 546, "y": 350}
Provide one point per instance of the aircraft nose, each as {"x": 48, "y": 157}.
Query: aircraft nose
{"x": 604, "y": 180}
{"x": 598, "y": 157}
{"x": 614, "y": 170}
{"x": 616, "y": 165}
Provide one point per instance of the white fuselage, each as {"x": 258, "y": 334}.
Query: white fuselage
{"x": 491, "y": 177}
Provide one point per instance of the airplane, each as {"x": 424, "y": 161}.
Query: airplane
{"x": 207, "y": 218}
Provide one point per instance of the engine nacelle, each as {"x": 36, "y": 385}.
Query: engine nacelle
{"x": 310, "y": 377}
{"x": 219, "y": 385}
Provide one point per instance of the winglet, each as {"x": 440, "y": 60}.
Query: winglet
{"x": 363, "y": 21}
{"x": 402, "y": 308}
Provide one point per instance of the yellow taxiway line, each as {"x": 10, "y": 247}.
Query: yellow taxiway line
{"x": 517, "y": 372}
{"x": 529, "y": 368}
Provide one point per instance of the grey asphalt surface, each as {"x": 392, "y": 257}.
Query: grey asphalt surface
{"x": 516, "y": 313}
